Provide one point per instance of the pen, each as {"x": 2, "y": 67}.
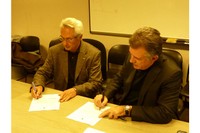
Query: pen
{"x": 122, "y": 118}
{"x": 33, "y": 85}
{"x": 102, "y": 99}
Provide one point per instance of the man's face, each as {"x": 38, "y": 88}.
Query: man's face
{"x": 70, "y": 41}
{"x": 141, "y": 59}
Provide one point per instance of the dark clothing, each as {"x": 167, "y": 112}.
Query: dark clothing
{"x": 72, "y": 59}
{"x": 158, "y": 91}
{"x": 132, "y": 97}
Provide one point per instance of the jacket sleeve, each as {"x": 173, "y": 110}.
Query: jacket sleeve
{"x": 93, "y": 84}
{"x": 115, "y": 84}
{"x": 165, "y": 107}
{"x": 45, "y": 72}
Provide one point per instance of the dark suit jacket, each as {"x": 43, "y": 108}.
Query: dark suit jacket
{"x": 158, "y": 97}
{"x": 88, "y": 77}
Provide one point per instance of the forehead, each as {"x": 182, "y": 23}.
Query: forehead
{"x": 67, "y": 31}
{"x": 138, "y": 52}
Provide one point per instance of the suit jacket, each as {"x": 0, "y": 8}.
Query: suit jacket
{"x": 88, "y": 77}
{"x": 158, "y": 97}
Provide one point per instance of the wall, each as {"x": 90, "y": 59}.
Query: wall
{"x": 42, "y": 18}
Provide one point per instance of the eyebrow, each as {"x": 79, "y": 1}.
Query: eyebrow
{"x": 137, "y": 57}
{"x": 66, "y": 37}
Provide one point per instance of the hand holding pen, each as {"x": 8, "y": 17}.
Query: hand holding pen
{"x": 36, "y": 91}
{"x": 100, "y": 100}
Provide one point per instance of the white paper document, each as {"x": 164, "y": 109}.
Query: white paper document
{"x": 46, "y": 102}
{"x": 88, "y": 113}
{"x": 92, "y": 130}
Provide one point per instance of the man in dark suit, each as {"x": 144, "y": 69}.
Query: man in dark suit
{"x": 147, "y": 88}
{"x": 74, "y": 65}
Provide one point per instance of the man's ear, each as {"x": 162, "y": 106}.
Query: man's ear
{"x": 155, "y": 58}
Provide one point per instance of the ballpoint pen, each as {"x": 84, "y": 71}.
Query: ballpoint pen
{"x": 122, "y": 118}
{"x": 102, "y": 99}
{"x": 34, "y": 88}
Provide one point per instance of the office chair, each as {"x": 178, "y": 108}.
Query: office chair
{"x": 185, "y": 90}
{"x": 54, "y": 42}
{"x": 30, "y": 44}
{"x": 184, "y": 95}
{"x": 174, "y": 55}
{"x": 26, "y": 54}
{"x": 102, "y": 48}
{"x": 116, "y": 57}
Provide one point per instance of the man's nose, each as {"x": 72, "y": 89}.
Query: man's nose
{"x": 64, "y": 42}
{"x": 132, "y": 60}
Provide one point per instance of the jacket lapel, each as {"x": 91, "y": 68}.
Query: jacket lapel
{"x": 129, "y": 82}
{"x": 81, "y": 59}
{"x": 155, "y": 70}
{"x": 64, "y": 58}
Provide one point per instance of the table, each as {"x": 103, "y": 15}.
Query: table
{"x": 55, "y": 121}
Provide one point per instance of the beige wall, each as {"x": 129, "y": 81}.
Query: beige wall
{"x": 42, "y": 18}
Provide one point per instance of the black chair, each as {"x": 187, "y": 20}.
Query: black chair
{"x": 117, "y": 54}
{"x": 185, "y": 90}
{"x": 184, "y": 95}
{"x": 30, "y": 44}
{"x": 174, "y": 55}
{"x": 26, "y": 55}
{"x": 102, "y": 48}
{"x": 116, "y": 57}
{"x": 54, "y": 42}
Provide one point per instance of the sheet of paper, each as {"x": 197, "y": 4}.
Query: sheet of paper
{"x": 46, "y": 102}
{"x": 92, "y": 130}
{"x": 87, "y": 113}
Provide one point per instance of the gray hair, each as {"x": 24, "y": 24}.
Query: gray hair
{"x": 73, "y": 23}
{"x": 149, "y": 38}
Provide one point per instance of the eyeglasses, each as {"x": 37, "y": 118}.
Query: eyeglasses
{"x": 67, "y": 39}
{"x": 147, "y": 56}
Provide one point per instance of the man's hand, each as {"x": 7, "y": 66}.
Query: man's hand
{"x": 98, "y": 101}
{"x": 114, "y": 112}
{"x": 37, "y": 92}
{"x": 67, "y": 94}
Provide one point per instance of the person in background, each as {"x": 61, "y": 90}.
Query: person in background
{"x": 147, "y": 88}
{"x": 74, "y": 65}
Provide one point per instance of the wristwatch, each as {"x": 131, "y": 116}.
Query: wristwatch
{"x": 127, "y": 110}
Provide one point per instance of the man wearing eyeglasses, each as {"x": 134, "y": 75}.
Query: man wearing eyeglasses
{"x": 73, "y": 64}
{"x": 147, "y": 88}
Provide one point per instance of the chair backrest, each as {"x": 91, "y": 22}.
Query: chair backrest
{"x": 188, "y": 75}
{"x": 54, "y": 42}
{"x": 174, "y": 55}
{"x": 30, "y": 43}
{"x": 117, "y": 54}
{"x": 26, "y": 54}
{"x": 102, "y": 48}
